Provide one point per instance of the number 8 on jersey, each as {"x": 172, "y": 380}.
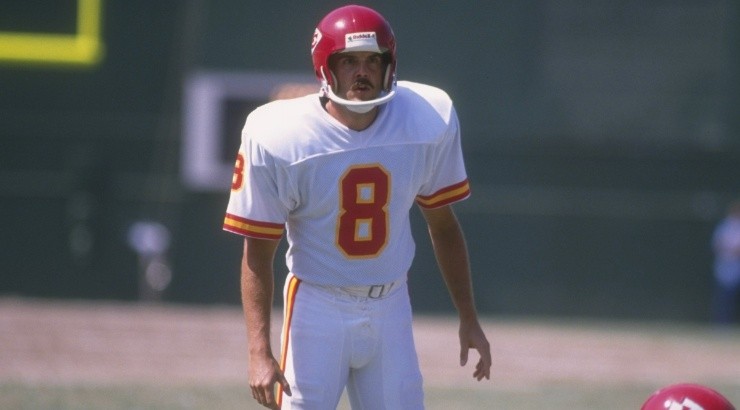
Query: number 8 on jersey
{"x": 362, "y": 226}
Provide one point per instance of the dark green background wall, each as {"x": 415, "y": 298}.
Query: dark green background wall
{"x": 602, "y": 141}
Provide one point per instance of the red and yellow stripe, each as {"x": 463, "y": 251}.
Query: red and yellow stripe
{"x": 445, "y": 196}
{"x": 256, "y": 229}
{"x": 290, "y": 294}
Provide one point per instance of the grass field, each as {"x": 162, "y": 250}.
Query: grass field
{"x": 84, "y": 355}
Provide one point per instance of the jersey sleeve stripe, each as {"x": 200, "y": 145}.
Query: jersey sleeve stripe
{"x": 257, "y": 229}
{"x": 444, "y": 196}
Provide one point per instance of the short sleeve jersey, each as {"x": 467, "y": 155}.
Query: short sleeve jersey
{"x": 342, "y": 197}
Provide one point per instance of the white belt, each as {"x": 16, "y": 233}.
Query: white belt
{"x": 371, "y": 291}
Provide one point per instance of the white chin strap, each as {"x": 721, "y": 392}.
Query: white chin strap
{"x": 360, "y": 107}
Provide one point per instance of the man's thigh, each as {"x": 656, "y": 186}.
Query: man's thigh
{"x": 391, "y": 380}
{"x": 315, "y": 356}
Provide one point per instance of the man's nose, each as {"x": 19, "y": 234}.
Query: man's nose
{"x": 362, "y": 69}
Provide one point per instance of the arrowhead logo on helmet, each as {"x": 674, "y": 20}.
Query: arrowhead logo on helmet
{"x": 316, "y": 39}
{"x": 687, "y": 396}
{"x": 686, "y": 404}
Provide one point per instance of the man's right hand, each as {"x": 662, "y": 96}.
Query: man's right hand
{"x": 264, "y": 372}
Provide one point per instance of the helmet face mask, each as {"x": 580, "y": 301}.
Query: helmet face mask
{"x": 349, "y": 29}
{"x": 687, "y": 396}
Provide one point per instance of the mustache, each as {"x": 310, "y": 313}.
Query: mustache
{"x": 362, "y": 82}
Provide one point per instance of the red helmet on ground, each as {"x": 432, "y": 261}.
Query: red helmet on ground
{"x": 354, "y": 28}
{"x": 687, "y": 396}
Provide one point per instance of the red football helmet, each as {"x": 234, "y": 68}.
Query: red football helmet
{"x": 687, "y": 396}
{"x": 353, "y": 28}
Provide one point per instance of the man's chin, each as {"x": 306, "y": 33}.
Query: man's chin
{"x": 362, "y": 96}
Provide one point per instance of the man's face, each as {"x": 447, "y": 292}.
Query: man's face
{"x": 359, "y": 75}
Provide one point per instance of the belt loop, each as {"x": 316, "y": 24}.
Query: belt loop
{"x": 372, "y": 294}
{"x": 379, "y": 291}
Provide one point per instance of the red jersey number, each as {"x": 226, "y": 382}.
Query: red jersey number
{"x": 237, "y": 180}
{"x": 362, "y": 229}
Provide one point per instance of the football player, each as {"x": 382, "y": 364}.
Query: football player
{"x": 337, "y": 173}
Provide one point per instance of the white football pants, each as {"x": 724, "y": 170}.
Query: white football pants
{"x": 332, "y": 339}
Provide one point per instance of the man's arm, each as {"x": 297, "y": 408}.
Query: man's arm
{"x": 257, "y": 287}
{"x": 451, "y": 252}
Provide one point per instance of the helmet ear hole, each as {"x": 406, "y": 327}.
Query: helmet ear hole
{"x": 387, "y": 58}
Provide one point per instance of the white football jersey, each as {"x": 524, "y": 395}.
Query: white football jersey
{"x": 342, "y": 197}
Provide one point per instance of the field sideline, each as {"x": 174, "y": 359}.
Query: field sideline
{"x": 86, "y": 355}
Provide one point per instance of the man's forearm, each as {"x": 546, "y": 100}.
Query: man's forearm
{"x": 257, "y": 305}
{"x": 452, "y": 258}
{"x": 451, "y": 253}
{"x": 257, "y": 287}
